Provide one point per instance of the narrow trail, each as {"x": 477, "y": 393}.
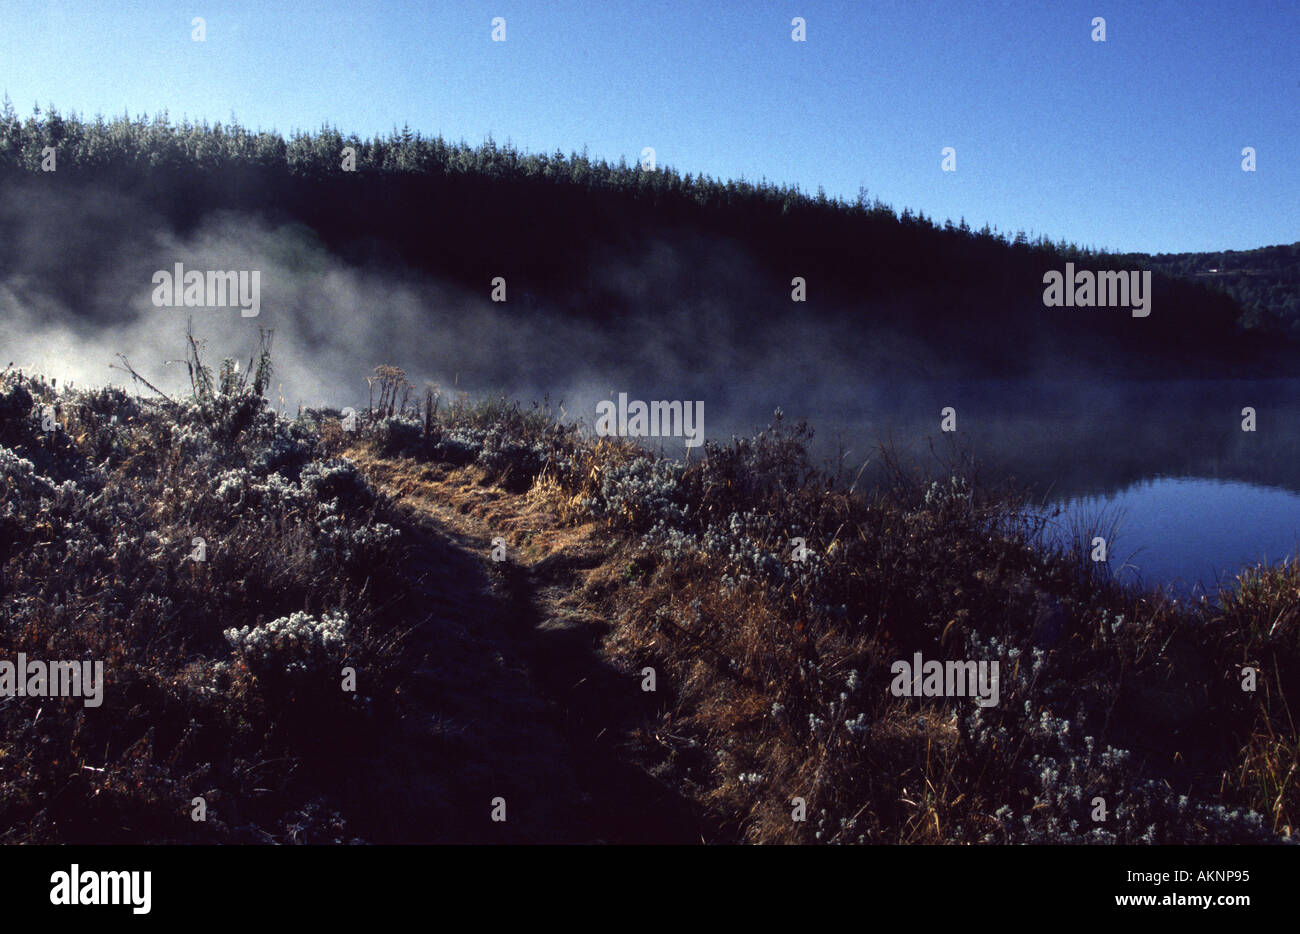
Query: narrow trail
{"x": 520, "y": 702}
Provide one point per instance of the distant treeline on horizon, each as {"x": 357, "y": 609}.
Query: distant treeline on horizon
{"x": 468, "y": 214}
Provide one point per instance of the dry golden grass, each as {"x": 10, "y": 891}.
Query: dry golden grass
{"x": 729, "y": 655}
{"x": 771, "y": 678}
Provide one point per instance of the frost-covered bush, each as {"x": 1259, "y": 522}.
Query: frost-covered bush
{"x": 1066, "y": 774}
{"x": 956, "y": 490}
{"x": 230, "y": 402}
{"x": 111, "y": 402}
{"x": 285, "y": 454}
{"x": 19, "y": 479}
{"x": 295, "y": 645}
{"x": 24, "y": 403}
{"x": 243, "y": 489}
{"x": 278, "y": 492}
{"x": 352, "y": 545}
{"x": 757, "y": 472}
{"x": 333, "y": 495}
{"x": 1061, "y": 772}
{"x": 226, "y": 417}
{"x": 642, "y": 492}
{"x": 15, "y": 400}
{"x": 513, "y": 461}
{"x": 338, "y": 479}
{"x": 460, "y": 446}
{"x": 399, "y": 434}
{"x": 99, "y": 518}
{"x": 749, "y": 545}
{"x": 232, "y": 486}
{"x": 192, "y": 442}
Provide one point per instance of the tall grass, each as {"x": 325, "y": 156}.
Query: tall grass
{"x": 774, "y": 660}
{"x": 139, "y": 532}
{"x": 778, "y": 669}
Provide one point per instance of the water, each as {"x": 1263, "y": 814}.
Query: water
{"x": 1190, "y": 497}
{"x": 1190, "y": 534}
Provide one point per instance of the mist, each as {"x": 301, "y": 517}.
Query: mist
{"x": 75, "y": 291}
{"x": 689, "y": 317}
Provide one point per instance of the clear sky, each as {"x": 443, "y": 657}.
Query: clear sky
{"x": 1134, "y": 143}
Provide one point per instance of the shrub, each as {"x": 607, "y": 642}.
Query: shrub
{"x": 96, "y": 538}
{"x": 642, "y": 492}
{"x": 399, "y": 434}
{"x": 338, "y": 479}
{"x": 300, "y": 645}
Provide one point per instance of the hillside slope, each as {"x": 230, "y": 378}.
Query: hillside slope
{"x": 1265, "y": 281}
{"x": 915, "y": 297}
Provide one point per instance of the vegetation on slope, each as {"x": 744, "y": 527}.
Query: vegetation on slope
{"x": 778, "y": 670}
{"x": 467, "y": 214}
{"x": 1265, "y": 282}
{"x": 224, "y": 570}
{"x": 773, "y": 673}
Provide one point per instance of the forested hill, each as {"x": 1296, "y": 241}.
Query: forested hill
{"x": 565, "y": 231}
{"x": 1264, "y": 281}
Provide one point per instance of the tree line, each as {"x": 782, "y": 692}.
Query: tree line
{"x": 470, "y": 213}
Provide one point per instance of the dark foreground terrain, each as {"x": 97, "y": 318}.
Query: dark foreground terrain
{"x": 504, "y": 590}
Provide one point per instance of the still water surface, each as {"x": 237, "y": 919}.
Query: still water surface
{"x": 1191, "y": 497}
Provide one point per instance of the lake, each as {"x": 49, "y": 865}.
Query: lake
{"x": 1192, "y": 533}
{"x": 1191, "y": 496}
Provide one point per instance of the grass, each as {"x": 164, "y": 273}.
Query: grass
{"x": 777, "y": 669}
{"x": 102, "y": 519}
{"x": 772, "y": 671}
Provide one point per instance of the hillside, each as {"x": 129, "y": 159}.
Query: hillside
{"x": 1265, "y": 282}
{"x": 914, "y": 297}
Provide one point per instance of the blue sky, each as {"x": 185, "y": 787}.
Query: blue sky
{"x": 1134, "y": 143}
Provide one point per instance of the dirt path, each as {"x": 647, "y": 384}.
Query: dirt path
{"x": 521, "y": 702}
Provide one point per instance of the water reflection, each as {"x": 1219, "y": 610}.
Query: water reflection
{"x": 1190, "y": 534}
{"x": 1196, "y": 497}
